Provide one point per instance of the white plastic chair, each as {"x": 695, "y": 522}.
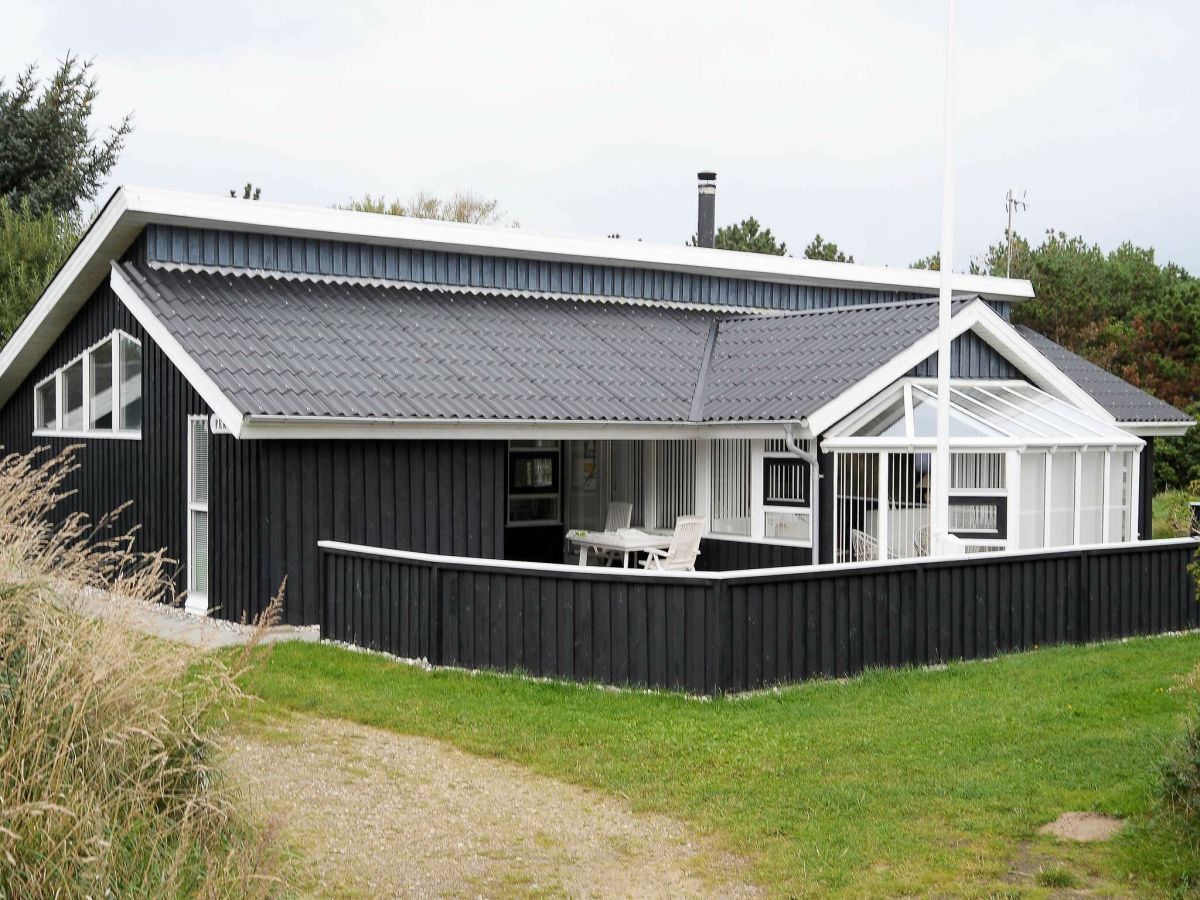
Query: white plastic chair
{"x": 863, "y": 546}
{"x": 685, "y": 547}
{"x": 619, "y": 516}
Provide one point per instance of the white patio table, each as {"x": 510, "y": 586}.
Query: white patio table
{"x": 625, "y": 542}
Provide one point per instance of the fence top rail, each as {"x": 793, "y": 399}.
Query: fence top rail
{"x": 561, "y": 570}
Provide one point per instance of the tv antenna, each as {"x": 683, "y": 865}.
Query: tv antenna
{"x": 1011, "y": 202}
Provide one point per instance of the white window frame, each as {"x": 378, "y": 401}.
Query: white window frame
{"x": 114, "y": 432}
{"x": 196, "y": 602}
{"x": 759, "y": 507}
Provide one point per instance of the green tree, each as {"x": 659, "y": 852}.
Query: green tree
{"x": 50, "y": 157}
{"x": 747, "y": 236}
{"x": 32, "y": 247}
{"x": 819, "y": 248}
{"x": 249, "y": 192}
{"x": 933, "y": 261}
{"x": 1177, "y": 460}
{"x": 461, "y": 206}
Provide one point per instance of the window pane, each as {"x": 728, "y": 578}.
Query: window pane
{"x": 625, "y": 480}
{"x": 101, "y": 411}
{"x": 977, "y": 471}
{"x": 73, "y": 396}
{"x": 199, "y": 552}
{"x": 789, "y": 526}
{"x": 857, "y": 507}
{"x": 975, "y": 517}
{"x": 1062, "y": 499}
{"x": 1033, "y": 500}
{"x": 1091, "y": 497}
{"x": 889, "y": 422}
{"x": 729, "y": 486}
{"x": 199, "y": 437}
{"x": 1120, "y": 495}
{"x": 908, "y": 504}
{"x": 674, "y": 481}
{"x": 786, "y": 482}
{"x": 131, "y": 385}
{"x": 45, "y": 403}
{"x": 533, "y": 508}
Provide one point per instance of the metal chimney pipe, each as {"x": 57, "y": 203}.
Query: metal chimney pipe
{"x": 706, "y": 218}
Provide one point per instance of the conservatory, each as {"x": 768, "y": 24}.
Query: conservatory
{"x": 1028, "y": 470}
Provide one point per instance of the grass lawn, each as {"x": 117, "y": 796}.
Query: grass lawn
{"x": 910, "y": 782}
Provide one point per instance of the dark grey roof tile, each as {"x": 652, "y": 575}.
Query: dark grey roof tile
{"x": 1123, "y": 400}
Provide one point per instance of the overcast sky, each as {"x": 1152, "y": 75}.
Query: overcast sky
{"x": 593, "y": 118}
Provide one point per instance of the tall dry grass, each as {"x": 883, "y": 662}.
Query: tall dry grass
{"x": 107, "y": 738}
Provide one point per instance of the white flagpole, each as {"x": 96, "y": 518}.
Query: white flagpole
{"x": 941, "y": 459}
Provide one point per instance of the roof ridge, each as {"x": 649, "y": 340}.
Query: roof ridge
{"x": 856, "y": 307}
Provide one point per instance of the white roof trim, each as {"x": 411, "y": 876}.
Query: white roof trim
{"x": 221, "y": 405}
{"x": 130, "y": 209}
{"x": 1157, "y": 429}
{"x": 215, "y": 211}
{"x": 346, "y": 428}
{"x": 996, "y": 332}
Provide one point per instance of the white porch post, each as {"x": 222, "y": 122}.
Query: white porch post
{"x": 940, "y": 514}
{"x": 1012, "y": 483}
{"x": 884, "y": 535}
{"x": 757, "y": 525}
{"x": 1135, "y": 489}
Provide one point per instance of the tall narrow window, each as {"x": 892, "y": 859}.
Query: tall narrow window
{"x": 100, "y": 367}
{"x": 675, "y": 481}
{"x": 1033, "y": 500}
{"x": 1061, "y": 531}
{"x": 1120, "y": 491}
{"x": 73, "y": 396}
{"x": 786, "y": 494}
{"x": 729, "y": 486}
{"x": 1091, "y": 497}
{"x": 131, "y": 384}
{"x": 197, "y": 514}
{"x": 45, "y": 404}
{"x": 625, "y": 478}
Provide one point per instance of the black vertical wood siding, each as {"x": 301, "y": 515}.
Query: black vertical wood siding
{"x": 709, "y": 635}
{"x": 718, "y": 555}
{"x": 273, "y": 500}
{"x": 283, "y": 253}
{"x": 150, "y": 474}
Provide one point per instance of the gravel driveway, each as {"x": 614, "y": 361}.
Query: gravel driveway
{"x": 381, "y": 814}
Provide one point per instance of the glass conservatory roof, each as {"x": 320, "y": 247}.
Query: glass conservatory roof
{"x": 1003, "y": 413}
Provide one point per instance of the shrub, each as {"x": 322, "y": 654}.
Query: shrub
{"x": 106, "y": 736}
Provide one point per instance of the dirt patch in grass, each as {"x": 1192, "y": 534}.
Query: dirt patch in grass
{"x": 378, "y": 813}
{"x": 1084, "y": 827}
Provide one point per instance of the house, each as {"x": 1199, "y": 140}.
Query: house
{"x": 258, "y": 377}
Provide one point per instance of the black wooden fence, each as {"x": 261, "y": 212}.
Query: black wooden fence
{"x": 724, "y": 632}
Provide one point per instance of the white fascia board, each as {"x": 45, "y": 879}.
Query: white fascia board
{"x": 337, "y": 428}
{"x": 113, "y": 230}
{"x": 214, "y": 211}
{"x": 199, "y": 379}
{"x": 1032, "y": 363}
{"x": 998, "y": 334}
{"x": 888, "y": 373}
{"x": 1156, "y": 429}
